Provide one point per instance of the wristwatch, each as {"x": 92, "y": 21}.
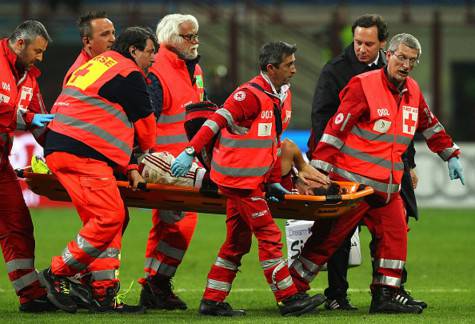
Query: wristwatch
{"x": 190, "y": 150}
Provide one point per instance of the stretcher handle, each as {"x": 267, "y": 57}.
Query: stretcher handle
{"x": 141, "y": 185}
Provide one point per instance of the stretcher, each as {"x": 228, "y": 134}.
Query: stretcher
{"x": 168, "y": 197}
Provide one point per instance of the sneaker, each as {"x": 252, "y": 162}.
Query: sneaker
{"x": 112, "y": 303}
{"x": 157, "y": 293}
{"x": 80, "y": 293}
{"x": 384, "y": 301}
{"x": 405, "y": 298}
{"x": 57, "y": 288}
{"x": 214, "y": 308}
{"x": 299, "y": 304}
{"x": 340, "y": 303}
{"x": 38, "y": 305}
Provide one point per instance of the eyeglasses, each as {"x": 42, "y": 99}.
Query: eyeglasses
{"x": 402, "y": 59}
{"x": 190, "y": 37}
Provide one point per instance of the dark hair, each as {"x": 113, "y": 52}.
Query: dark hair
{"x": 84, "y": 22}
{"x": 28, "y": 31}
{"x": 134, "y": 36}
{"x": 370, "y": 20}
{"x": 274, "y": 53}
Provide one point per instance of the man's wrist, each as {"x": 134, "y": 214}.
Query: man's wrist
{"x": 190, "y": 150}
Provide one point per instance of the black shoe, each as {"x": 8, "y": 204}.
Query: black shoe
{"x": 299, "y": 304}
{"x": 384, "y": 301}
{"x": 157, "y": 293}
{"x": 38, "y": 305}
{"x": 214, "y": 308}
{"x": 110, "y": 303}
{"x": 405, "y": 298}
{"x": 339, "y": 303}
{"x": 80, "y": 293}
{"x": 57, "y": 288}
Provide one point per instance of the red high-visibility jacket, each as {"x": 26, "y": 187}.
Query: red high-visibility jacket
{"x": 178, "y": 91}
{"x": 85, "y": 116}
{"x": 365, "y": 139}
{"x": 243, "y": 159}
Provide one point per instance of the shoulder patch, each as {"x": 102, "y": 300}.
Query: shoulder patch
{"x": 239, "y": 95}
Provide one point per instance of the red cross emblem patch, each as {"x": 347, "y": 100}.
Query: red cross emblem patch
{"x": 409, "y": 119}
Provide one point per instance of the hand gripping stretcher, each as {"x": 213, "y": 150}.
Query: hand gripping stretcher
{"x": 169, "y": 197}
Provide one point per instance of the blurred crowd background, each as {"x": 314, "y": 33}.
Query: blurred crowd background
{"x": 231, "y": 33}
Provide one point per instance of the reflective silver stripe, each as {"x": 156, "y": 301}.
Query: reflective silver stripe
{"x": 20, "y": 121}
{"x": 332, "y": 140}
{"x": 109, "y": 253}
{"x": 25, "y": 280}
{"x": 306, "y": 275}
{"x": 372, "y": 159}
{"x": 390, "y": 264}
{"x": 87, "y": 247}
{"x": 171, "y": 216}
{"x": 429, "y": 132}
{"x": 120, "y": 115}
{"x": 309, "y": 264}
{"x": 17, "y": 264}
{"x": 170, "y": 119}
{"x": 37, "y": 132}
{"x": 377, "y": 185}
{"x": 218, "y": 285}
{"x": 111, "y": 139}
{"x": 387, "y": 281}
{"x": 279, "y": 151}
{"x": 170, "y": 251}
{"x": 223, "y": 112}
{"x": 239, "y": 172}
{"x": 159, "y": 267}
{"x": 171, "y": 139}
{"x": 267, "y": 264}
{"x": 246, "y": 143}
{"x": 381, "y": 137}
{"x": 223, "y": 263}
{"x": 345, "y": 122}
{"x": 283, "y": 284}
{"x": 229, "y": 119}
{"x": 445, "y": 154}
{"x": 71, "y": 261}
{"x": 103, "y": 275}
{"x": 212, "y": 125}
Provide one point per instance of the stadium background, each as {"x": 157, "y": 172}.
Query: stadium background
{"x": 441, "y": 261}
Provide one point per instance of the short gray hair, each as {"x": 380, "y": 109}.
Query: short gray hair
{"x": 168, "y": 29}
{"x": 28, "y": 31}
{"x": 405, "y": 39}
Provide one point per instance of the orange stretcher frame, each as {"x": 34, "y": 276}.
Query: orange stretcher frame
{"x": 189, "y": 199}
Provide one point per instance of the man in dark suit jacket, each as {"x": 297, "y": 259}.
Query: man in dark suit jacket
{"x": 364, "y": 54}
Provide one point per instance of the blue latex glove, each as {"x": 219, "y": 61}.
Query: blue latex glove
{"x": 456, "y": 170}
{"x": 275, "y": 192}
{"x": 182, "y": 164}
{"x": 40, "y": 120}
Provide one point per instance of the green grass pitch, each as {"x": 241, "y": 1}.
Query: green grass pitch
{"x": 441, "y": 266}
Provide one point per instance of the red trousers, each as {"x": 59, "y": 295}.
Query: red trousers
{"x": 247, "y": 213}
{"x": 168, "y": 241}
{"x": 93, "y": 190}
{"x": 388, "y": 225}
{"x": 16, "y": 237}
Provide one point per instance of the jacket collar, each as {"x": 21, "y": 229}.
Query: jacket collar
{"x": 175, "y": 59}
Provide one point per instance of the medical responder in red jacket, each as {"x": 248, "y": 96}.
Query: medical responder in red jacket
{"x": 363, "y": 142}
{"x": 103, "y": 108}
{"x": 176, "y": 80}
{"x": 244, "y": 158}
{"x": 22, "y": 108}
{"x": 97, "y": 34}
